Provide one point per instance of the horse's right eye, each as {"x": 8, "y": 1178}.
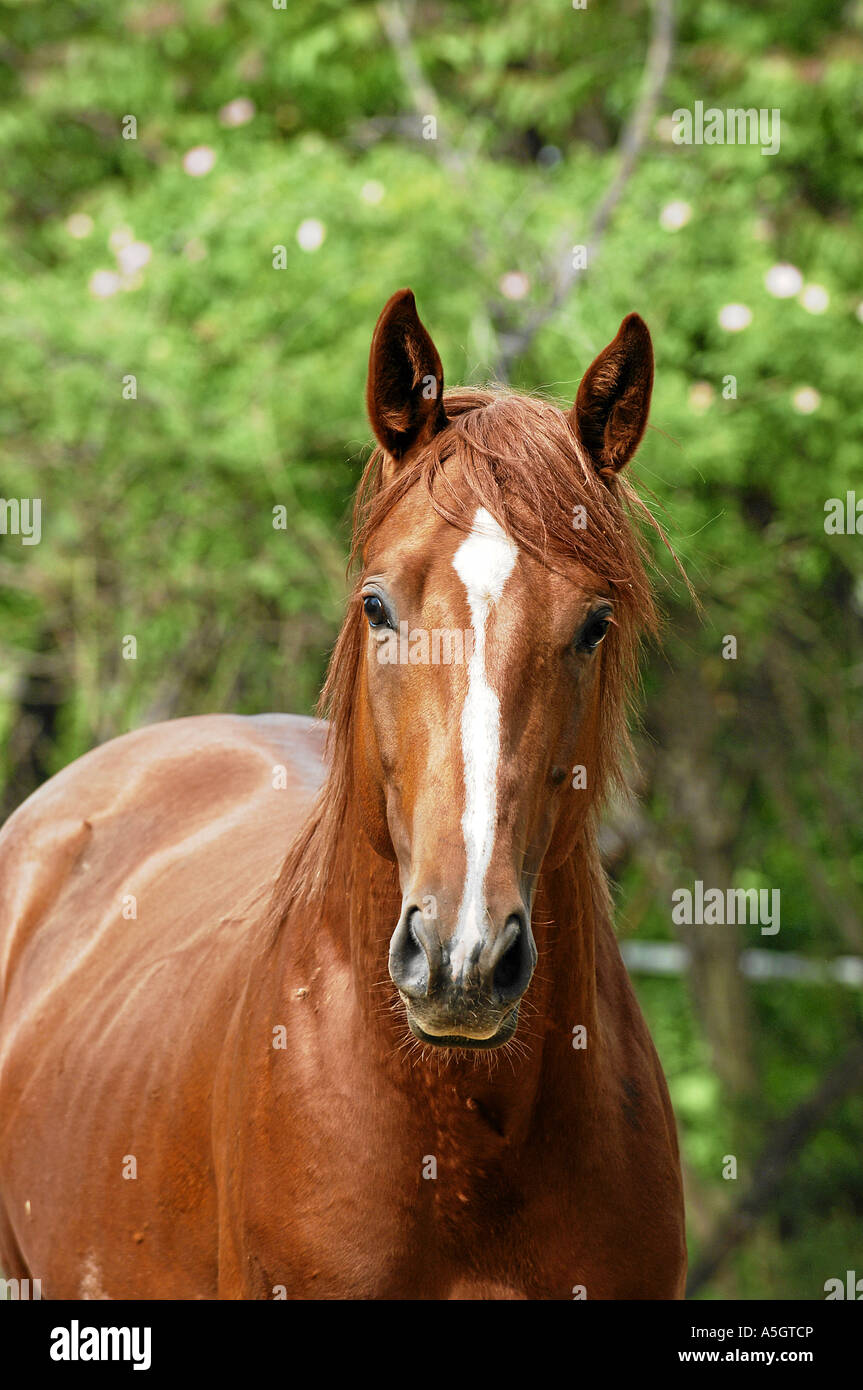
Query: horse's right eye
{"x": 374, "y": 611}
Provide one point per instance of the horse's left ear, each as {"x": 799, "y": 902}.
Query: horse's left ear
{"x": 404, "y": 393}
{"x": 613, "y": 401}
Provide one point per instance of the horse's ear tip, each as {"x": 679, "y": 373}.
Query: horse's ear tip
{"x": 634, "y": 325}
{"x": 399, "y": 310}
{"x": 403, "y": 298}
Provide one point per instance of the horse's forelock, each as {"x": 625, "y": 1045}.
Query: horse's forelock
{"x": 517, "y": 456}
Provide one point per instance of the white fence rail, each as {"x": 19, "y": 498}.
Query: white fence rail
{"x": 670, "y": 958}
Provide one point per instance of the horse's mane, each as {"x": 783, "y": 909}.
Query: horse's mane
{"x": 518, "y": 457}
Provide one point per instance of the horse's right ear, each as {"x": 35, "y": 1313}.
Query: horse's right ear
{"x": 404, "y": 393}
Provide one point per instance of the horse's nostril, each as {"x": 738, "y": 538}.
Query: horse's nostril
{"x": 411, "y": 955}
{"x": 506, "y": 971}
{"x": 515, "y": 967}
{"x": 413, "y": 916}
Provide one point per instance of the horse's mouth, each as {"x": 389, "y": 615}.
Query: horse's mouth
{"x": 504, "y": 1032}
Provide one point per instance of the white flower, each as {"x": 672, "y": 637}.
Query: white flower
{"x": 199, "y": 160}
{"x": 783, "y": 280}
{"x": 79, "y": 225}
{"x": 310, "y": 234}
{"x": 237, "y": 112}
{"x": 859, "y": 311}
{"x": 372, "y": 192}
{"x": 674, "y": 216}
{"x": 700, "y": 396}
{"x": 120, "y": 237}
{"x": 514, "y": 284}
{"x": 734, "y": 317}
{"x": 814, "y": 298}
{"x": 104, "y": 283}
{"x": 133, "y": 257}
{"x": 806, "y": 400}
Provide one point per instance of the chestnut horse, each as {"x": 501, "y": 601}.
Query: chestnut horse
{"x": 309, "y": 1013}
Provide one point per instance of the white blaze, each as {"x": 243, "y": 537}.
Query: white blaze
{"x": 483, "y": 562}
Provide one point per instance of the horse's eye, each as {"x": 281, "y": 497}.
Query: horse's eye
{"x": 593, "y": 632}
{"x": 374, "y": 611}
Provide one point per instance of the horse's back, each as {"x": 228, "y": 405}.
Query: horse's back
{"x": 204, "y": 803}
{"x": 133, "y": 891}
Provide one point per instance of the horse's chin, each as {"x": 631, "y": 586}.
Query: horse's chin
{"x": 464, "y": 1041}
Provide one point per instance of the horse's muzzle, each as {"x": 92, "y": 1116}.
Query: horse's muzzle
{"x": 455, "y": 998}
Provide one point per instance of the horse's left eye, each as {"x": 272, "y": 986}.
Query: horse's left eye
{"x": 374, "y": 611}
{"x": 593, "y": 632}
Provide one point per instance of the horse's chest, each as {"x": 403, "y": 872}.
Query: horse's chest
{"x": 470, "y": 1177}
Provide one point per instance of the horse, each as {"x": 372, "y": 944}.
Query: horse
{"x": 307, "y": 1009}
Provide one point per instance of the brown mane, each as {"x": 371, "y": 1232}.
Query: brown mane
{"x": 518, "y": 458}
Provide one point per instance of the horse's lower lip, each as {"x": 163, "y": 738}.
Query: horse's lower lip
{"x": 502, "y": 1035}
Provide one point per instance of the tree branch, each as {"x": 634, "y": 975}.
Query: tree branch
{"x": 424, "y": 98}
{"x": 656, "y": 66}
